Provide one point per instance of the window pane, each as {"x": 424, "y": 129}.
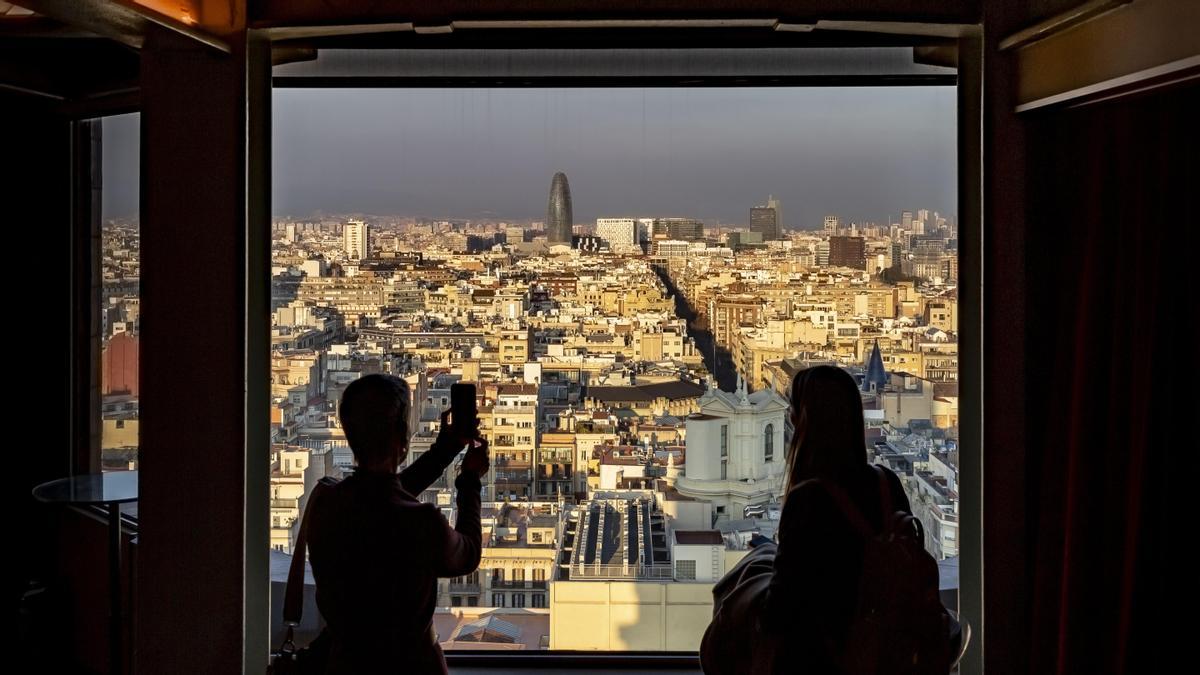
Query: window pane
{"x": 632, "y": 330}
{"x": 120, "y": 319}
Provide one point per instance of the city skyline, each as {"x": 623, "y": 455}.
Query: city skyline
{"x": 862, "y": 153}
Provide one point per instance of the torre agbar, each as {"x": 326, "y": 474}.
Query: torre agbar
{"x": 558, "y": 211}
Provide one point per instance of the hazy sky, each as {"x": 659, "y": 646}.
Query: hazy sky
{"x": 862, "y": 153}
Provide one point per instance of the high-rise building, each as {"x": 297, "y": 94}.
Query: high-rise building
{"x": 355, "y": 238}
{"x": 617, "y": 230}
{"x": 906, "y": 219}
{"x": 765, "y": 221}
{"x": 740, "y": 240}
{"x": 831, "y": 225}
{"x": 684, "y": 229}
{"x": 559, "y": 221}
{"x": 847, "y": 252}
{"x": 645, "y": 229}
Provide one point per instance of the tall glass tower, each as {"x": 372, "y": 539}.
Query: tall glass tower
{"x": 558, "y": 212}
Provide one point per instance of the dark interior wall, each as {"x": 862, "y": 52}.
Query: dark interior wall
{"x": 1110, "y": 329}
{"x": 37, "y": 198}
{"x": 1005, "y": 555}
{"x": 192, "y": 522}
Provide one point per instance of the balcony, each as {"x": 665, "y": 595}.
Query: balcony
{"x": 463, "y": 588}
{"x": 499, "y": 461}
{"x": 519, "y": 585}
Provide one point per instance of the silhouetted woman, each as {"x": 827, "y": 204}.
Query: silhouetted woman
{"x": 376, "y": 551}
{"x": 786, "y": 608}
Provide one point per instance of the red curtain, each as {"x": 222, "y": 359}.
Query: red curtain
{"x": 1111, "y": 379}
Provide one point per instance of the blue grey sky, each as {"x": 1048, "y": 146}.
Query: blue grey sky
{"x": 862, "y": 153}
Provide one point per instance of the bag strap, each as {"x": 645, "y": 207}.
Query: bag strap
{"x": 293, "y": 594}
{"x": 885, "y": 494}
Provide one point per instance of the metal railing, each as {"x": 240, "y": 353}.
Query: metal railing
{"x": 622, "y": 572}
{"x": 518, "y": 585}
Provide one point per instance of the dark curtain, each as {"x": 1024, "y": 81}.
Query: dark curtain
{"x": 1111, "y": 380}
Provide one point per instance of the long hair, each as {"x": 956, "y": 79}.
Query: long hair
{"x": 828, "y": 440}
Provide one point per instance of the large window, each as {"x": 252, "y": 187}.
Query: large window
{"x": 632, "y": 276}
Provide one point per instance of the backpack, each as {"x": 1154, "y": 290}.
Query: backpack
{"x": 899, "y": 625}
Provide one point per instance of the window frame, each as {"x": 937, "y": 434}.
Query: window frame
{"x": 968, "y": 82}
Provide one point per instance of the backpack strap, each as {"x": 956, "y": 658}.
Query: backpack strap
{"x": 885, "y": 494}
{"x": 293, "y": 594}
{"x": 896, "y": 519}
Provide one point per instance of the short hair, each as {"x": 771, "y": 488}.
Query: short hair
{"x": 374, "y": 409}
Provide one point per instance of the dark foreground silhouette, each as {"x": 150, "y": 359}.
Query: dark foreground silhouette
{"x": 848, "y": 588}
{"x": 376, "y": 551}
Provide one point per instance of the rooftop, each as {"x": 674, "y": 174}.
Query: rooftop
{"x": 699, "y": 537}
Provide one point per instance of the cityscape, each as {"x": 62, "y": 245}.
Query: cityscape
{"x": 748, "y": 305}
{"x": 632, "y": 375}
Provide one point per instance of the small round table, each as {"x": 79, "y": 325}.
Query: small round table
{"x": 109, "y": 490}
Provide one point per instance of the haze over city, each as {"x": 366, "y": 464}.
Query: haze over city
{"x": 862, "y": 153}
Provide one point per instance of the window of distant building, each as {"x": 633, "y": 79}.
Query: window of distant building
{"x": 539, "y": 600}
{"x": 769, "y": 443}
{"x": 497, "y": 599}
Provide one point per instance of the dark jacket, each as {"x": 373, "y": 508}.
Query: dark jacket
{"x": 774, "y": 610}
{"x": 376, "y": 555}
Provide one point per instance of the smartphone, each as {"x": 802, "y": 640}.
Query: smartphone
{"x": 464, "y": 414}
